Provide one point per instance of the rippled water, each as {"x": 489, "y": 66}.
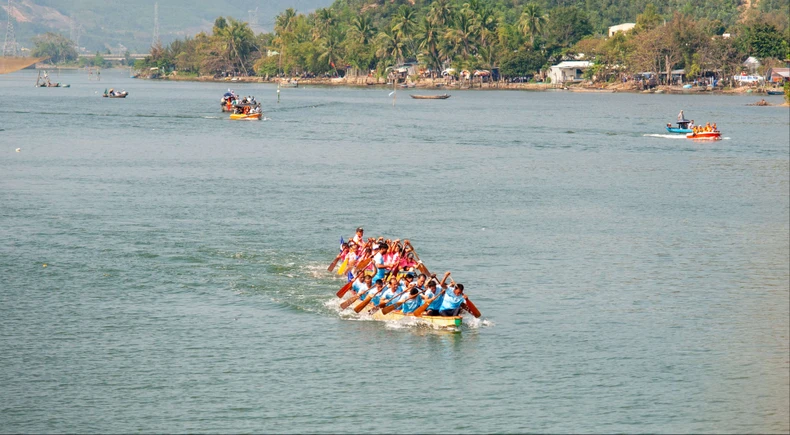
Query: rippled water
{"x": 629, "y": 281}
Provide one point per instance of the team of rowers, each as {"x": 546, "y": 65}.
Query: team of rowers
{"x": 389, "y": 275}
{"x": 707, "y": 128}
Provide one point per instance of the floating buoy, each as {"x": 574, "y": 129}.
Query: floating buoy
{"x": 45, "y": 265}
{"x": 18, "y": 149}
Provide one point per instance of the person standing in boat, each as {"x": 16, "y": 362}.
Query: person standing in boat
{"x": 358, "y": 237}
{"x": 681, "y": 117}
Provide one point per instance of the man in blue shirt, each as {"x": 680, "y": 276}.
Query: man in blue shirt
{"x": 451, "y": 303}
{"x": 362, "y": 284}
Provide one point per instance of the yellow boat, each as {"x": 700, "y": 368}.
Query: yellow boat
{"x": 435, "y": 321}
{"x": 243, "y": 117}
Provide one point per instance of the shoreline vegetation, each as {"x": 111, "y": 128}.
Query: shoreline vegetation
{"x": 441, "y": 85}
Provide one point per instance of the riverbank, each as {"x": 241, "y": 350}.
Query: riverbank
{"x": 445, "y": 84}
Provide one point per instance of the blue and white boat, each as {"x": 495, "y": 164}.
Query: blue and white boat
{"x": 683, "y": 127}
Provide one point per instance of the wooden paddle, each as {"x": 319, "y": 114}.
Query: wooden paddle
{"x": 334, "y": 262}
{"x": 361, "y": 306}
{"x": 389, "y": 308}
{"x": 348, "y": 285}
{"x": 471, "y": 308}
{"x": 418, "y": 312}
{"x": 347, "y": 303}
{"x": 420, "y": 266}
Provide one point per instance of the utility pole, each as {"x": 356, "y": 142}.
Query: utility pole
{"x": 9, "y": 47}
{"x": 253, "y": 17}
{"x": 156, "y": 42}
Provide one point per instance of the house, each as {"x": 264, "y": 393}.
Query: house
{"x": 752, "y": 63}
{"x": 625, "y": 27}
{"x": 568, "y": 71}
{"x": 777, "y": 75}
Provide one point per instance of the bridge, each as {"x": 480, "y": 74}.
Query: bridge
{"x": 116, "y": 58}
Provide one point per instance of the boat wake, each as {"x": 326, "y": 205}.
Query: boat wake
{"x": 666, "y": 136}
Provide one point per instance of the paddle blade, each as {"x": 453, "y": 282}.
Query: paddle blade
{"x": 343, "y": 267}
{"x": 362, "y": 264}
{"x": 333, "y": 264}
{"x": 344, "y": 289}
{"x": 421, "y": 267}
{"x": 388, "y": 309}
{"x": 421, "y": 309}
{"x": 361, "y": 306}
{"x": 347, "y": 303}
{"x": 472, "y": 308}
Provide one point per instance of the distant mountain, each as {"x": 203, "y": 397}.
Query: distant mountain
{"x": 103, "y": 24}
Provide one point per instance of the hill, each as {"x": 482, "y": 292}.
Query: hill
{"x": 102, "y": 24}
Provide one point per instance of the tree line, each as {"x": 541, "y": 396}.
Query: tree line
{"x": 519, "y": 39}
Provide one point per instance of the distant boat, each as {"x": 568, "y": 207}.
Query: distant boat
{"x": 775, "y": 92}
{"x": 683, "y": 127}
{"x": 115, "y": 94}
{"x": 706, "y": 135}
{"x": 430, "y": 97}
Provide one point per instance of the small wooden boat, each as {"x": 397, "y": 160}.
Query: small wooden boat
{"x": 775, "y": 92}
{"x": 247, "y": 117}
{"x": 434, "y": 321}
{"x": 430, "y": 97}
{"x": 707, "y": 135}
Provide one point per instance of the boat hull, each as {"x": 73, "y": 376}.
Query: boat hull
{"x": 430, "y": 97}
{"x": 679, "y": 130}
{"x": 242, "y": 117}
{"x": 435, "y": 321}
{"x": 707, "y": 135}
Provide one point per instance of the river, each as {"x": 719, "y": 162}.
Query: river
{"x": 163, "y": 269}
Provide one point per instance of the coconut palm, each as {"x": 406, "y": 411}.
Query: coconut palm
{"x": 391, "y": 47}
{"x": 441, "y": 12}
{"x": 429, "y": 37}
{"x": 362, "y": 29}
{"x": 331, "y": 48}
{"x": 462, "y": 33}
{"x": 532, "y": 21}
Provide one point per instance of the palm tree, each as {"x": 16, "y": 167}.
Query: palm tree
{"x": 390, "y": 46}
{"x": 429, "y": 37}
{"x": 462, "y": 33}
{"x": 532, "y": 21}
{"x": 404, "y": 23}
{"x": 331, "y": 48}
{"x": 362, "y": 29}
{"x": 441, "y": 12}
{"x": 283, "y": 28}
{"x": 324, "y": 20}
{"x": 237, "y": 40}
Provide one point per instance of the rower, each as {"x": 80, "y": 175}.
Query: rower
{"x": 411, "y": 302}
{"x": 406, "y": 282}
{"x": 438, "y": 298}
{"x": 362, "y": 284}
{"x": 386, "y": 296}
{"x": 451, "y": 303}
{"x": 375, "y": 290}
{"x": 681, "y": 117}
{"x": 378, "y": 261}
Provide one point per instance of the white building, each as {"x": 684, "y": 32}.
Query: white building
{"x": 568, "y": 71}
{"x": 625, "y": 27}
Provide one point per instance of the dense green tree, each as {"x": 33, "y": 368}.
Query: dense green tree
{"x": 56, "y": 47}
{"x": 532, "y": 21}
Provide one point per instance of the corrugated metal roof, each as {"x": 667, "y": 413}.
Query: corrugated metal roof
{"x": 573, "y": 64}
